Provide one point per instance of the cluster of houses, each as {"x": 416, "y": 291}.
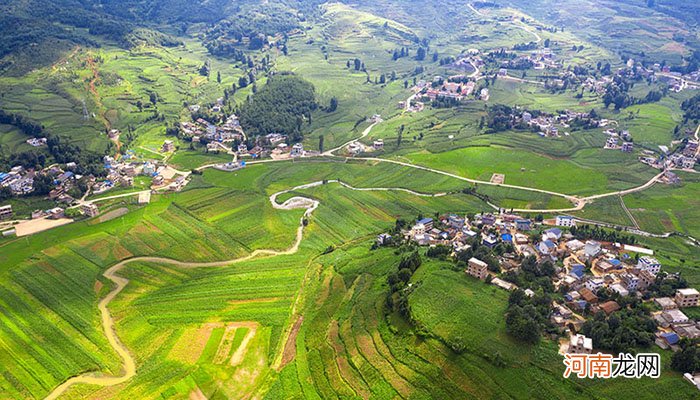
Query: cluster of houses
{"x": 202, "y": 130}
{"x": 678, "y": 82}
{"x": 586, "y": 268}
{"x": 356, "y": 147}
{"x": 19, "y": 180}
{"x": 538, "y": 59}
{"x": 455, "y": 87}
{"x": 683, "y": 159}
{"x": 619, "y": 140}
{"x": 552, "y": 125}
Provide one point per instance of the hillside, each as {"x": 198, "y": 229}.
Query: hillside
{"x": 303, "y": 199}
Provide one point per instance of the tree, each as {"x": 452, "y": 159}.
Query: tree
{"x": 242, "y": 82}
{"x": 400, "y": 136}
{"x": 320, "y": 143}
{"x": 139, "y": 105}
{"x": 333, "y": 104}
{"x": 686, "y": 360}
{"x": 546, "y": 43}
{"x": 218, "y": 77}
{"x": 154, "y": 98}
{"x": 358, "y": 64}
{"x": 420, "y": 54}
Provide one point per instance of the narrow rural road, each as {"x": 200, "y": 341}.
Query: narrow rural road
{"x": 112, "y": 273}
{"x": 362, "y": 136}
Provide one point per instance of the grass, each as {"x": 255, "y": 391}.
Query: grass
{"x": 348, "y": 346}
{"x": 666, "y": 208}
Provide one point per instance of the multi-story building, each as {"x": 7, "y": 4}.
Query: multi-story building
{"x": 687, "y": 297}
{"x": 6, "y": 212}
{"x": 477, "y": 268}
{"x": 89, "y": 209}
{"x": 565, "y": 220}
{"x": 580, "y": 344}
{"x": 650, "y": 264}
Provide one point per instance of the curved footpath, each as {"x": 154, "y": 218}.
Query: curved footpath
{"x": 129, "y": 364}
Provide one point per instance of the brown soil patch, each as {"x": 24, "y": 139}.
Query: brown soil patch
{"x": 120, "y": 252}
{"x": 113, "y": 214}
{"x": 32, "y": 226}
{"x": 240, "y": 352}
{"x": 197, "y": 395}
{"x": 191, "y": 344}
{"x": 290, "y": 348}
{"x": 98, "y": 286}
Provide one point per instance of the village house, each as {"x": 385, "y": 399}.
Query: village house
{"x": 609, "y": 307}
{"x": 383, "y": 239}
{"x": 523, "y": 225}
{"x": 594, "y": 284}
{"x": 55, "y": 213}
{"x": 649, "y": 264}
{"x": 6, "y": 212}
{"x": 574, "y": 245}
{"x": 592, "y": 249}
{"x": 580, "y": 344}
{"x": 427, "y": 223}
{"x": 477, "y": 268}
{"x": 378, "y": 144}
{"x": 168, "y": 146}
{"x": 565, "y": 220}
{"x": 588, "y": 295}
{"x": 666, "y": 303}
{"x": 89, "y": 209}
{"x": 630, "y": 281}
{"x": 674, "y": 316}
{"x": 297, "y": 150}
{"x": 687, "y": 297}
{"x": 619, "y": 289}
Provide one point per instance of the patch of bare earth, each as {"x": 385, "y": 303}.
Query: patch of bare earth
{"x": 197, "y": 395}
{"x": 240, "y": 352}
{"x": 98, "y": 286}
{"x": 290, "y": 348}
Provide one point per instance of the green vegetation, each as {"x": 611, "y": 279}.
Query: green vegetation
{"x": 279, "y": 107}
{"x": 340, "y": 317}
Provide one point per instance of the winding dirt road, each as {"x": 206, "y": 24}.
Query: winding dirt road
{"x": 128, "y": 362}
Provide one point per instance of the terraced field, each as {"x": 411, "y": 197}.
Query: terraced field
{"x": 349, "y": 346}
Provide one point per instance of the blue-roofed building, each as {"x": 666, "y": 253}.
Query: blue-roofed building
{"x": 427, "y": 222}
{"x": 553, "y": 234}
{"x": 507, "y": 237}
{"x": 547, "y": 247}
{"x": 581, "y": 304}
{"x": 670, "y": 337}
{"x": 577, "y": 270}
{"x": 616, "y": 263}
{"x": 523, "y": 224}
